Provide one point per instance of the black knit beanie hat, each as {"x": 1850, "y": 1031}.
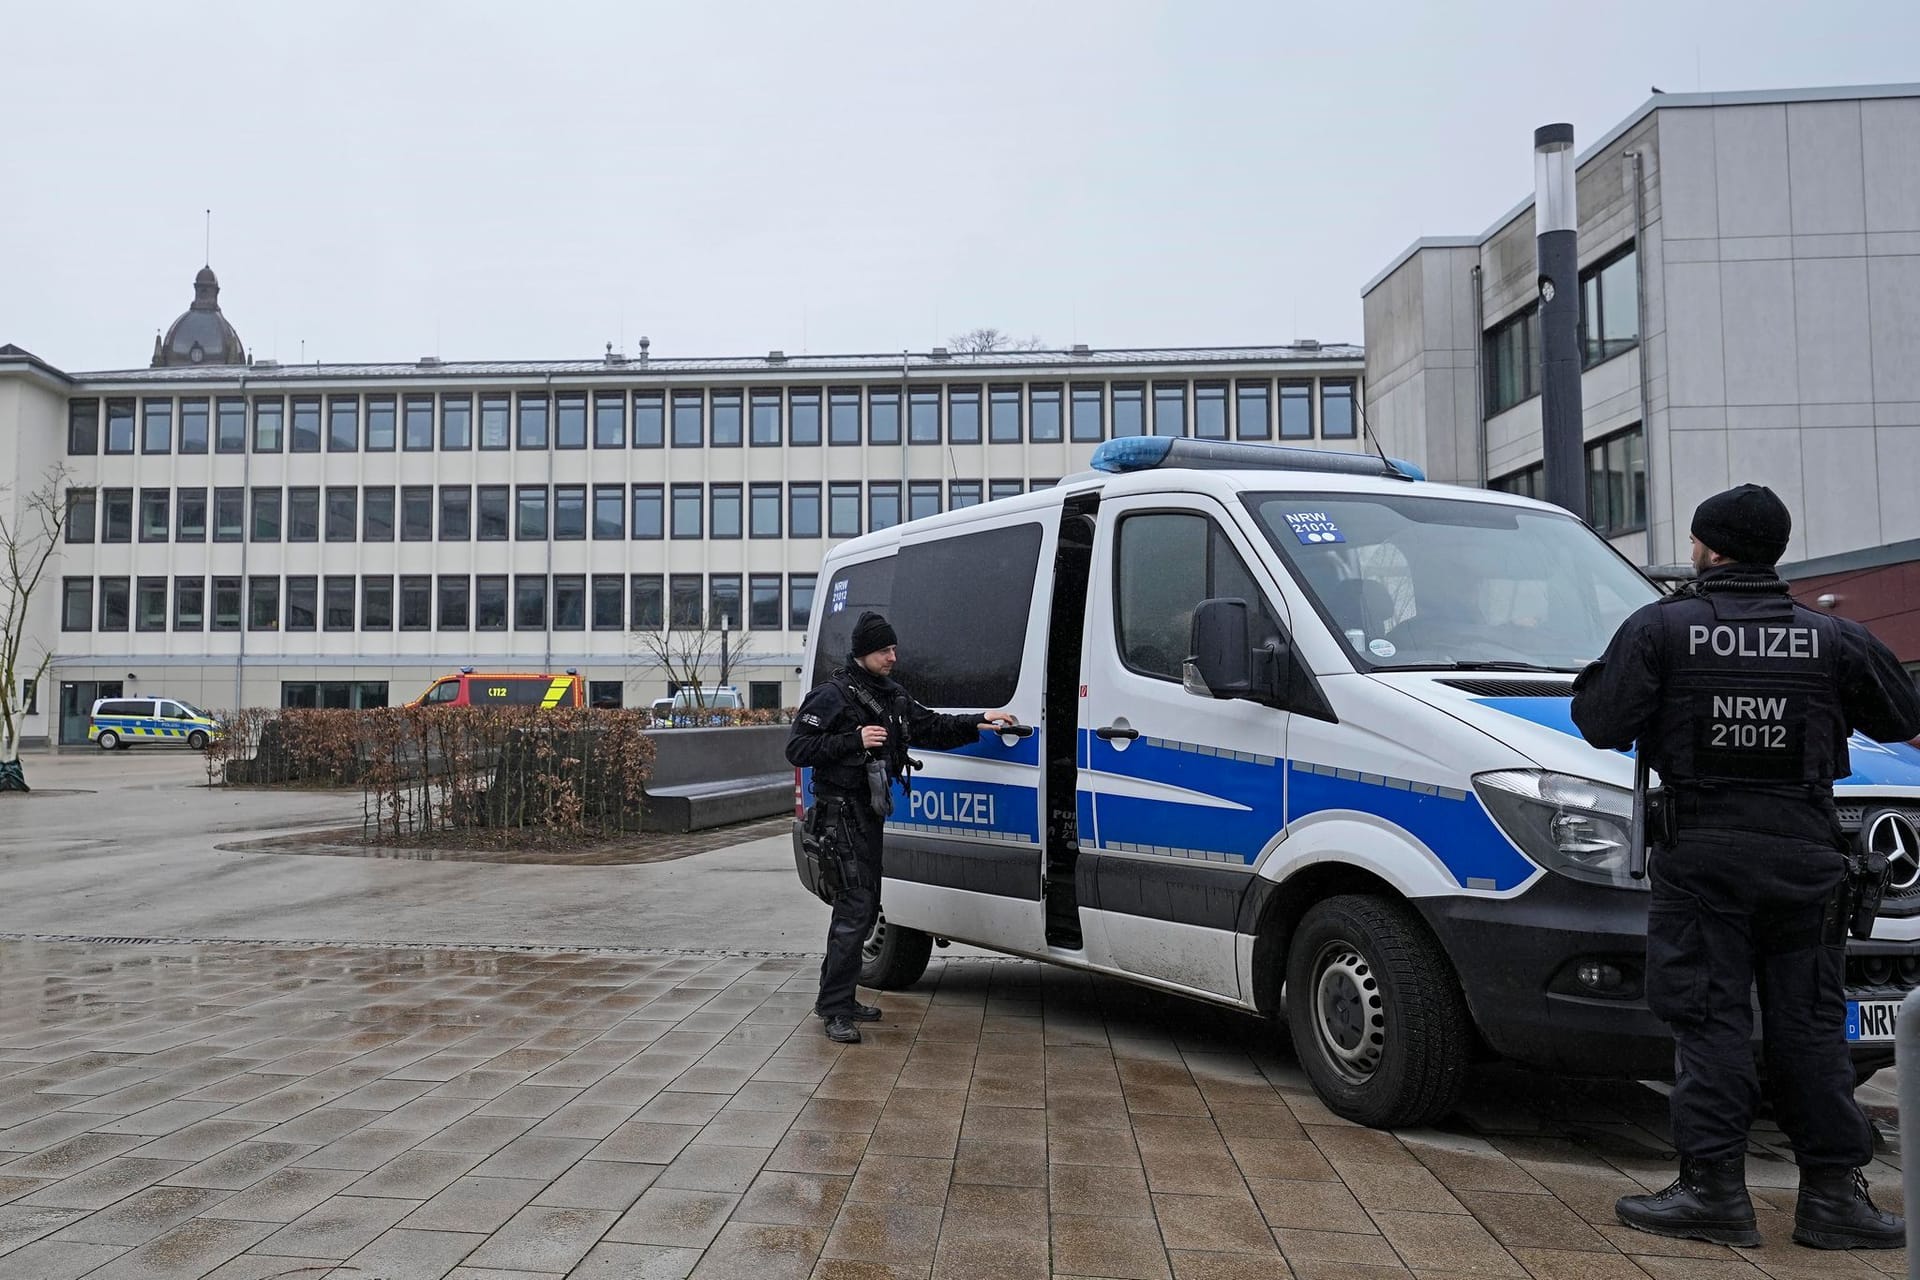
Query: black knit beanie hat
{"x": 1747, "y": 523}
{"x": 873, "y": 632}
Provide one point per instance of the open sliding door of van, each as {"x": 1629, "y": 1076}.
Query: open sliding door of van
{"x": 964, "y": 847}
{"x": 1182, "y": 792}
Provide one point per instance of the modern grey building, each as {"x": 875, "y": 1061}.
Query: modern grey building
{"x": 251, "y": 533}
{"x": 1750, "y": 309}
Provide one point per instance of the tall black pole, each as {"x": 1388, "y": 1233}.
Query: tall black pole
{"x": 1557, "y": 247}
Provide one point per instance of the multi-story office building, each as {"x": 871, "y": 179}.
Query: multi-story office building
{"x": 1749, "y": 268}
{"x": 338, "y": 535}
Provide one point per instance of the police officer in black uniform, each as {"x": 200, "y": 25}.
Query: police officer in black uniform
{"x": 1743, "y": 700}
{"x": 853, "y": 731}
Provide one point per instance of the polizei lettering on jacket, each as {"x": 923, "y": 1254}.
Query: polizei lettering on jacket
{"x": 963, "y": 808}
{"x": 1753, "y": 641}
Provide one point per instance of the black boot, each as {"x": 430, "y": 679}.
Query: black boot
{"x": 841, "y": 1030}
{"x": 1835, "y": 1212}
{"x": 861, "y": 1013}
{"x": 1708, "y": 1201}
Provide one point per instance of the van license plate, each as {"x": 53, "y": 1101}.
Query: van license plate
{"x": 1871, "y": 1020}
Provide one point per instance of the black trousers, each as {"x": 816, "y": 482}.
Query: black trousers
{"x": 1732, "y": 909}
{"x": 856, "y": 904}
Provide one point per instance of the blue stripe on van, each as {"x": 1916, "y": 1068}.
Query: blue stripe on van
{"x": 149, "y": 727}
{"x": 965, "y": 807}
{"x": 1451, "y": 823}
{"x": 1251, "y": 789}
{"x": 992, "y": 746}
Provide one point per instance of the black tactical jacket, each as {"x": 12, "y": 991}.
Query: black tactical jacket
{"x": 826, "y": 730}
{"x": 1730, "y": 682}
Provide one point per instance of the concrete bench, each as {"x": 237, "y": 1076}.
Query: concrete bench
{"x": 709, "y": 777}
{"x": 696, "y": 806}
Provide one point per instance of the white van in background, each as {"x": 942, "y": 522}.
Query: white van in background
{"x": 1294, "y": 721}
{"x": 690, "y": 708}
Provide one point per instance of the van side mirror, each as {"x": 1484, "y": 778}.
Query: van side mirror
{"x": 1224, "y": 663}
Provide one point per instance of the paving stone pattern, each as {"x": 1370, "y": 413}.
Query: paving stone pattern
{"x": 250, "y": 1112}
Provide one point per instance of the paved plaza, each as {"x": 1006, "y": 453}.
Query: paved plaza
{"x": 336, "y": 1107}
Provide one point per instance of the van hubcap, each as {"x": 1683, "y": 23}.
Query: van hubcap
{"x": 1348, "y": 1013}
{"x": 876, "y": 938}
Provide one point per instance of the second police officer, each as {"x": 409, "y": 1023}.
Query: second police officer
{"x": 853, "y": 731}
{"x": 1742, "y": 700}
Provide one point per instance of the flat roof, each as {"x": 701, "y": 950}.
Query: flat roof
{"x": 1056, "y": 362}
{"x": 1656, "y": 102}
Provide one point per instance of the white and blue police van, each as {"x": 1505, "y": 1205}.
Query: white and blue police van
{"x": 1295, "y": 738}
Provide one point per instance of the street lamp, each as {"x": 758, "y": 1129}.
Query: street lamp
{"x": 1556, "y": 229}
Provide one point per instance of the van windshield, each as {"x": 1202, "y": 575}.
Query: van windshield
{"x": 1410, "y": 582}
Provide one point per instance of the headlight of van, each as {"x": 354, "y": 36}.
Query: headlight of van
{"x": 1575, "y": 826}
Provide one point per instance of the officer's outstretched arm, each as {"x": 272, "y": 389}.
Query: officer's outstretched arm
{"x": 1878, "y": 696}
{"x": 937, "y": 731}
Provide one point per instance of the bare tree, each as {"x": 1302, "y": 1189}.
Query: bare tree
{"x": 976, "y": 342}
{"x": 29, "y": 535}
{"x": 687, "y": 653}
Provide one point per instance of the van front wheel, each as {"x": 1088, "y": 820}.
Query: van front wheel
{"x": 197, "y": 740}
{"x": 1376, "y": 1016}
{"x": 893, "y": 956}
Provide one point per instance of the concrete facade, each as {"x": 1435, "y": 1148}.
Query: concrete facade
{"x": 1187, "y": 391}
{"x": 1778, "y": 244}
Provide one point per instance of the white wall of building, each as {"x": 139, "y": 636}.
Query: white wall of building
{"x": 32, "y": 409}
{"x": 1780, "y": 257}
{"x": 248, "y": 666}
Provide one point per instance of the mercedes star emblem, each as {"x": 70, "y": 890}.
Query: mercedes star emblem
{"x": 1893, "y": 835}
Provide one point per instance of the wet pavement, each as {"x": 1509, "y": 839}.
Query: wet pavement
{"x": 251, "y": 1111}
{"x": 386, "y": 1112}
{"x": 133, "y": 844}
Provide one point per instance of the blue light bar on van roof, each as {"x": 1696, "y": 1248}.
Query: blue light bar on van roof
{"x": 1145, "y": 453}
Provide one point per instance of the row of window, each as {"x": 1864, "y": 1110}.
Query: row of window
{"x": 444, "y": 602}
{"x": 1247, "y": 408}
{"x": 1609, "y": 326}
{"x": 963, "y": 604}
{"x": 361, "y": 695}
{"x": 523, "y": 513}
{"x": 1616, "y": 482}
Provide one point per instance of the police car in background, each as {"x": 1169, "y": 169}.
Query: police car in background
{"x": 114, "y": 724}
{"x": 1295, "y": 738}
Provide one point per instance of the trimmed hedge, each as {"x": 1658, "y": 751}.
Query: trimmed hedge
{"x": 573, "y": 771}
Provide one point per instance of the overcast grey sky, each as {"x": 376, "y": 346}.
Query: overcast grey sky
{"x": 488, "y": 180}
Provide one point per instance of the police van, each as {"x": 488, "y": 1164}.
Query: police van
{"x": 1296, "y": 724}
{"x": 114, "y": 724}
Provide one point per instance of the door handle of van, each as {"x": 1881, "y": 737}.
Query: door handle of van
{"x": 1016, "y": 730}
{"x": 1112, "y": 731}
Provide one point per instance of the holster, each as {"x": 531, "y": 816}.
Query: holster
{"x": 825, "y": 844}
{"x": 1867, "y": 873}
{"x": 1856, "y": 899}
{"x": 1661, "y": 828}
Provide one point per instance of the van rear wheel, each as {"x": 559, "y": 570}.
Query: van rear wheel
{"x": 1376, "y": 1015}
{"x": 108, "y": 739}
{"x": 893, "y": 956}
